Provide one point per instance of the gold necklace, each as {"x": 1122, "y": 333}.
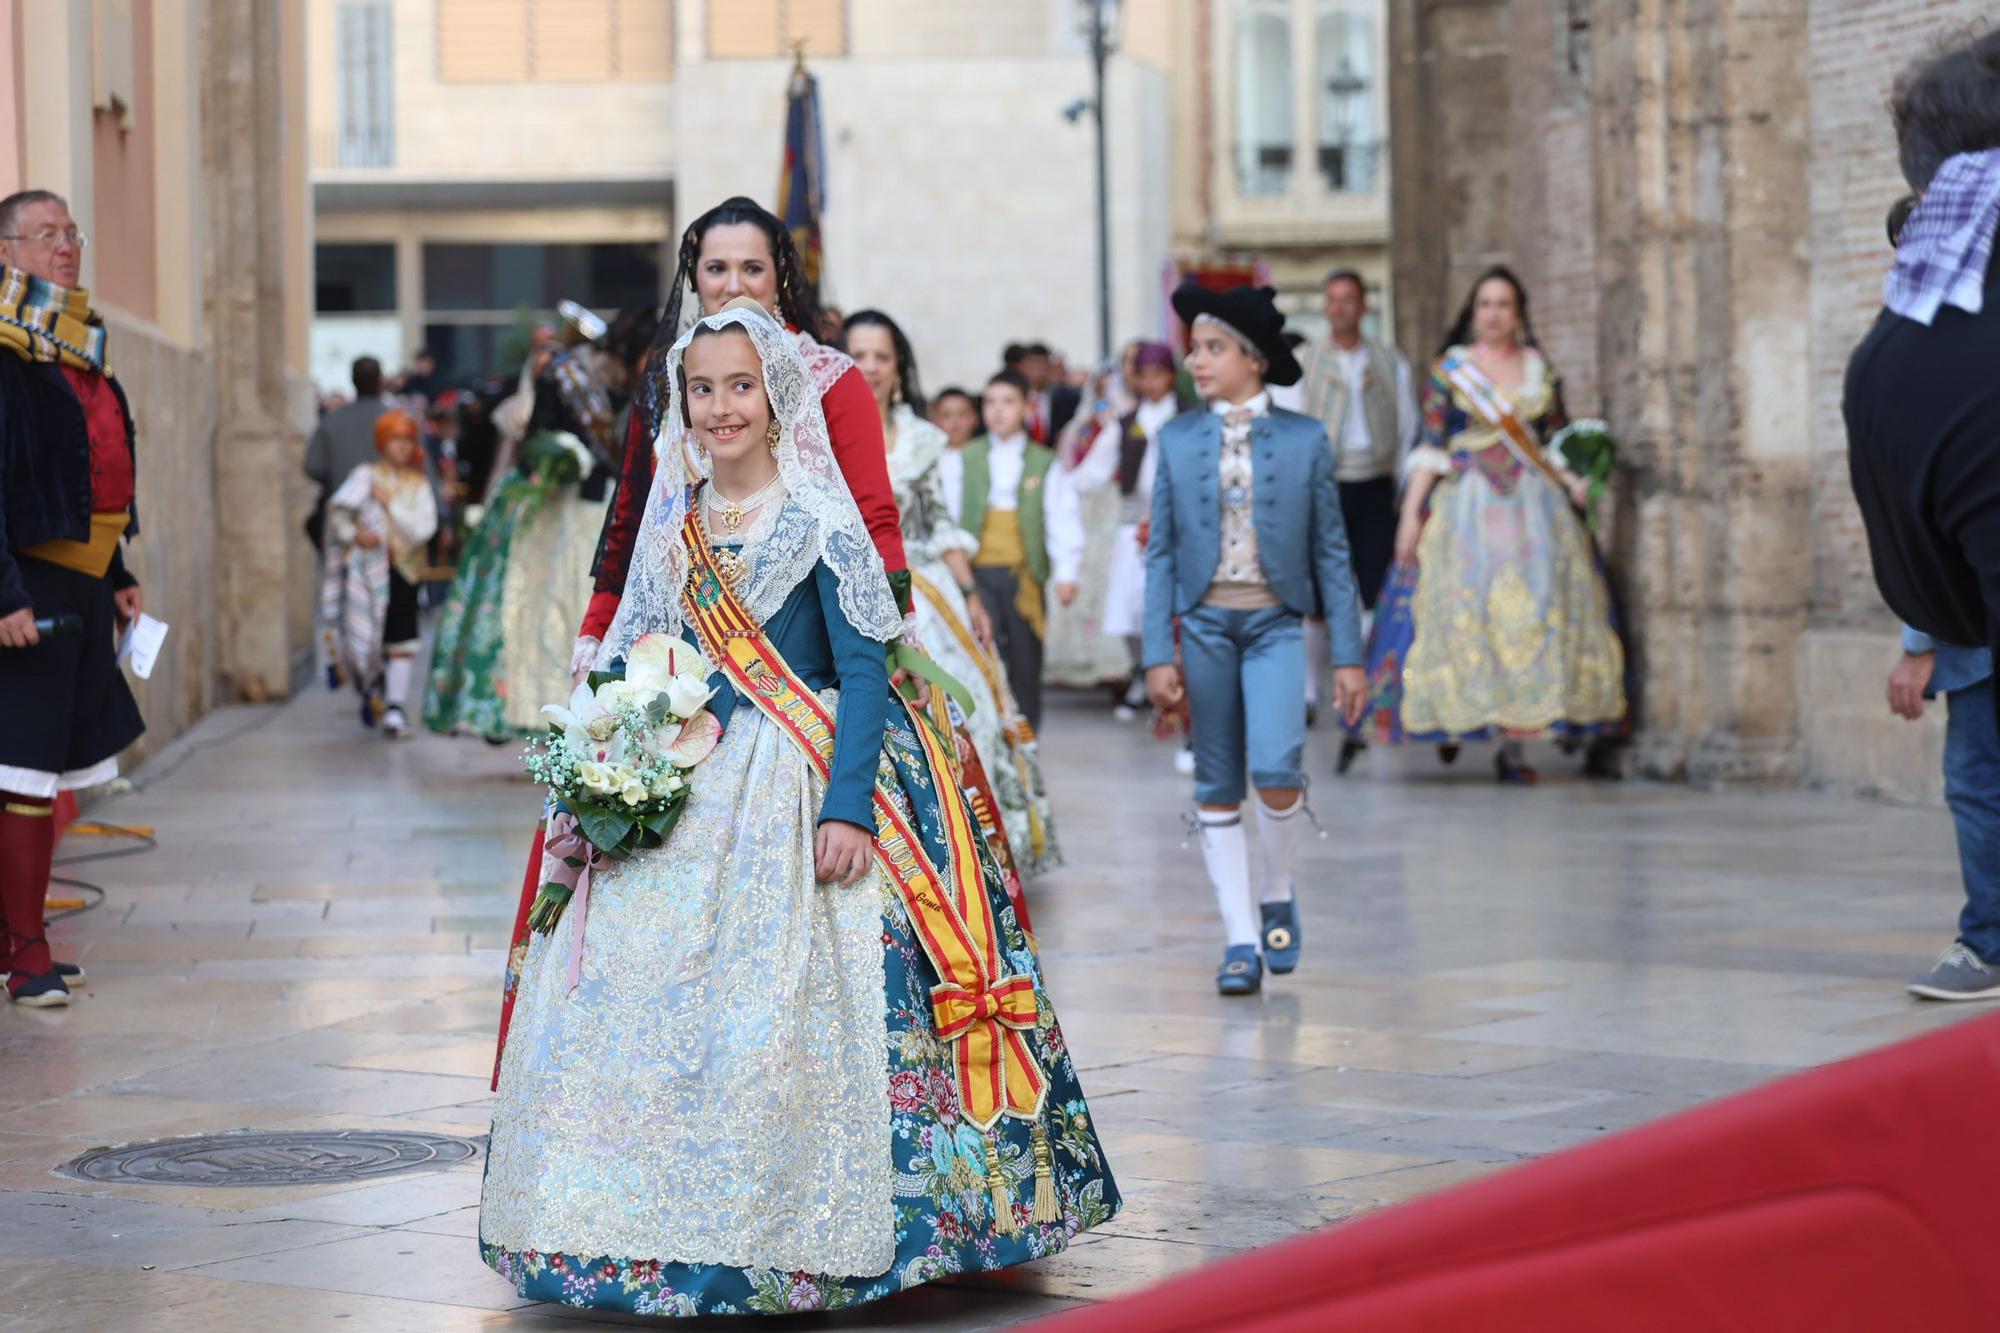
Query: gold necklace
{"x": 732, "y": 511}
{"x": 729, "y": 562}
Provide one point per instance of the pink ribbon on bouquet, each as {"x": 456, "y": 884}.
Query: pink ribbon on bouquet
{"x": 565, "y": 843}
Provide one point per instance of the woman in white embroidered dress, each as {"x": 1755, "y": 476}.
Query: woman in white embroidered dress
{"x": 747, "y": 1104}
{"x": 951, "y": 618}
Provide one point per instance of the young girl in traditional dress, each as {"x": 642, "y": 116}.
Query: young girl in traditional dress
{"x": 378, "y": 525}
{"x": 808, "y": 1061}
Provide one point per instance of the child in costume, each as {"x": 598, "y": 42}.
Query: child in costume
{"x": 1019, "y": 506}
{"x": 1246, "y": 541}
{"x": 379, "y": 524}
{"x": 799, "y": 1056}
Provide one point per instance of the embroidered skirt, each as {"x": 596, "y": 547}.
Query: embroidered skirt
{"x": 744, "y": 1107}
{"x": 1503, "y": 625}
{"x": 508, "y": 628}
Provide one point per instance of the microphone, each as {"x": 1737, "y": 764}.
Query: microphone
{"x": 56, "y": 627}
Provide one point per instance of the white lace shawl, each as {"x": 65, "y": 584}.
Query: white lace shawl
{"x": 817, "y": 521}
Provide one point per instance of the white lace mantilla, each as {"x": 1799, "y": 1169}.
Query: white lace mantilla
{"x": 826, "y": 525}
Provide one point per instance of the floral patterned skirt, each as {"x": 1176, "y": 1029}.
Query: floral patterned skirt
{"x": 764, "y": 1177}
{"x": 1502, "y": 627}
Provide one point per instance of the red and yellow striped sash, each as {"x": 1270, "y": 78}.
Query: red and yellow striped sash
{"x": 981, "y": 1012}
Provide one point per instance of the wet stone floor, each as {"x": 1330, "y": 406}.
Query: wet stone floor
{"x": 1490, "y": 974}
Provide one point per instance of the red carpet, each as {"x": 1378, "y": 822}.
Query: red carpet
{"x": 1863, "y": 1197}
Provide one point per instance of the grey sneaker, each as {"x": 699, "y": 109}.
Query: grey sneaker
{"x": 1958, "y": 974}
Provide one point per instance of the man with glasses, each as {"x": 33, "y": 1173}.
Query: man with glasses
{"x": 66, "y": 505}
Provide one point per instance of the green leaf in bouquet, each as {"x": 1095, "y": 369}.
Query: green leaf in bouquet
{"x": 605, "y": 829}
{"x": 657, "y": 711}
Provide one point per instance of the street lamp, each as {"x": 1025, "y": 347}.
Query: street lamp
{"x": 1341, "y": 161}
{"x": 1099, "y": 23}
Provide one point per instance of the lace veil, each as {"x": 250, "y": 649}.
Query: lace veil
{"x": 816, "y": 520}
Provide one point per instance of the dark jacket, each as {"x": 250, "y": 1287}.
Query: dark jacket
{"x": 1923, "y": 453}
{"x": 45, "y": 469}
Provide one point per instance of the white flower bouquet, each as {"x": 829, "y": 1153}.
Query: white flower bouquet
{"x": 616, "y": 761}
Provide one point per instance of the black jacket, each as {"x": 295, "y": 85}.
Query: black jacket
{"x": 1923, "y": 451}
{"x": 45, "y": 469}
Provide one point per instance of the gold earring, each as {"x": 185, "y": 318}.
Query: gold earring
{"x": 771, "y": 435}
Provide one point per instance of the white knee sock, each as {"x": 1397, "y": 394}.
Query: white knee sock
{"x": 396, "y": 680}
{"x": 1227, "y": 853}
{"x": 1278, "y": 830}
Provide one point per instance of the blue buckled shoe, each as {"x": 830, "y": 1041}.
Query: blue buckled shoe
{"x": 1282, "y": 936}
{"x": 1242, "y": 971}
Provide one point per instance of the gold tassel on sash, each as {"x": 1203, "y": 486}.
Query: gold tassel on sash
{"x": 1046, "y": 1208}
{"x": 996, "y": 1182}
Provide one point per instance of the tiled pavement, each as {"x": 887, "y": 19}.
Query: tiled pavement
{"x": 1491, "y": 974}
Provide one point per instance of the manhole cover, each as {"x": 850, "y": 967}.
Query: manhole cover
{"x": 260, "y": 1157}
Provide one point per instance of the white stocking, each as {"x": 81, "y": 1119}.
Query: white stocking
{"x": 1278, "y": 831}
{"x": 396, "y": 673}
{"x": 1227, "y": 853}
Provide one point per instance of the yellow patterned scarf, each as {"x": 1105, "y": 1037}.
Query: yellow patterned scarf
{"x": 40, "y": 321}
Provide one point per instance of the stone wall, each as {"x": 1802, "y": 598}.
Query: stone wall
{"x": 1693, "y": 192}
{"x": 172, "y": 391}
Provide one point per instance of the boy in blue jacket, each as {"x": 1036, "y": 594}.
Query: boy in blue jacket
{"x": 1246, "y": 541}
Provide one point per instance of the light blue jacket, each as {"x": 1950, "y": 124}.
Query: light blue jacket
{"x": 1301, "y": 539}
{"x": 1955, "y": 669}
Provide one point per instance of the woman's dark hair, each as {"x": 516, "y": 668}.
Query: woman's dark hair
{"x": 798, "y": 294}
{"x": 1461, "y": 328}
{"x": 1947, "y": 103}
{"x": 906, "y": 360}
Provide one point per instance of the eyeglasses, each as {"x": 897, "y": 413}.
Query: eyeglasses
{"x": 50, "y": 237}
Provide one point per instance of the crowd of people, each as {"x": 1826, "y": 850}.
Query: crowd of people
{"x": 746, "y": 507}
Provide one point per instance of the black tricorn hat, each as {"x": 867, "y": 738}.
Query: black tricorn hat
{"x": 1252, "y": 312}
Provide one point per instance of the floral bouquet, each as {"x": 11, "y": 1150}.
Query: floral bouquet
{"x": 616, "y": 762}
{"x": 1587, "y": 449}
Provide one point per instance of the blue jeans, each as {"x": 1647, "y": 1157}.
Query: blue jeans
{"x": 1246, "y": 679}
{"x": 1972, "y": 789}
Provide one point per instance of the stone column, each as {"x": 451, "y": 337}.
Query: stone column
{"x": 1449, "y": 142}
{"x": 247, "y": 112}
{"x": 1701, "y": 152}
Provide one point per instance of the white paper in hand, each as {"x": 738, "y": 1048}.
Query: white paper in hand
{"x": 141, "y": 645}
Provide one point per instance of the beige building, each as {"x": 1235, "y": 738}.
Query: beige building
{"x": 474, "y": 158}
{"x": 1694, "y": 194}
{"x": 171, "y": 126}
{"x": 1280, "y": 142}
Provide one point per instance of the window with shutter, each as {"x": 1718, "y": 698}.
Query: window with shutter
{"x": 482, "y": 41}
{"x": 820, "y": 24}
{"x": 768, "y": 29}
{"x": 569, "y": 41}
{"x": 642, "y": 40}
{"x": 554, "y": 41}
{"x": 364, "y": 105}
